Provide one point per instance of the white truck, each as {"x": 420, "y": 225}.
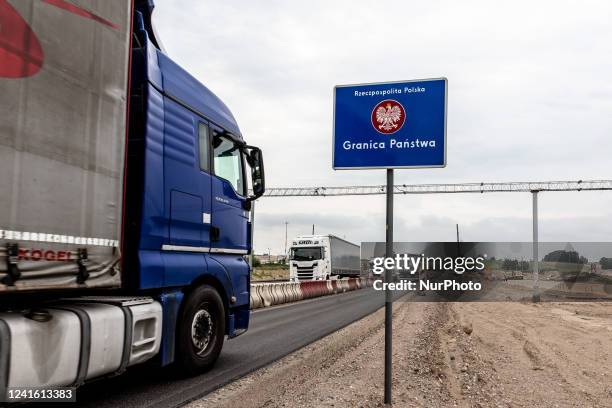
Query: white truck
{"x": 322, "y": 257}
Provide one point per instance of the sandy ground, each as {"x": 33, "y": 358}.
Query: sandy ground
{"x": 447, "y": 355}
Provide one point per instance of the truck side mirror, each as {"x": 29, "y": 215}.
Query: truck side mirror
{"x": 254, "y": 159}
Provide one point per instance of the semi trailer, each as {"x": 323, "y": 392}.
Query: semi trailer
{"x": 125, "y": 192}
{"x": 323, "y": 257}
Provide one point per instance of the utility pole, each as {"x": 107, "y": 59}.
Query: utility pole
{"x": 458, "y": 248}
{"x": 312, "y": 229}
{"x": 286, "y": 223}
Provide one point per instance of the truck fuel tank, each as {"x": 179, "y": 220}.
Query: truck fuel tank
{"x": 37, "y": 347}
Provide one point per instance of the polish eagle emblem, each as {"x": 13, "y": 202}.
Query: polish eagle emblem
{"x": 388, "y": 116}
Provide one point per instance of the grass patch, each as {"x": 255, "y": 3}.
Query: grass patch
{"x": 270, "y": 272}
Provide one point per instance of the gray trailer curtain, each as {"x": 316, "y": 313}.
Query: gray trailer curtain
{"x": 63, "y": 87}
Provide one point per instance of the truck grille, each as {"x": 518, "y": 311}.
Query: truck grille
{"x": 304, "y": 273}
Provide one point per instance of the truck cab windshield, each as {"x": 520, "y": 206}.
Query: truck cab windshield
{"x": 306, "y": 254}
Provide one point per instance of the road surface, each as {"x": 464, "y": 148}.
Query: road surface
{"x": 274, "y": 332}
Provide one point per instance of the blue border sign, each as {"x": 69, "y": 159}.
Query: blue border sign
{"x": 390, "y": 125}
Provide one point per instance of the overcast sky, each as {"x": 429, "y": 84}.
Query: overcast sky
{"x": 530, "y": 99}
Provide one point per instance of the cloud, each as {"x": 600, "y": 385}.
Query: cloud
{"x": 528, "y": 98}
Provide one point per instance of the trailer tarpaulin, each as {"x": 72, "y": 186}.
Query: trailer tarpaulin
{"x": 344, "y": 257}
{"x": 63, "y": 86}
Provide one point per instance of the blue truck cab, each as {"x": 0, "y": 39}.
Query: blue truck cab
{"x": 187, "y": 199}
{"x": 127, "y": 191}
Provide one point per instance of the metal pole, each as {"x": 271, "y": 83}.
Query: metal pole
{"x": 252, "y": 234}
{"x": 458, "y": 248}
{"x": 286, "y": 223}
{"x": 536, "y": 267}
{"x": 388, "y": 294}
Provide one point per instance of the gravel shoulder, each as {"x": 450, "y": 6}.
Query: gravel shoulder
{"x": 446, "y": 355}
{"x": 521, "y": 354}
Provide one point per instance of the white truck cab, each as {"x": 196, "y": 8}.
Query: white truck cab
{"x": 322, "y": 257}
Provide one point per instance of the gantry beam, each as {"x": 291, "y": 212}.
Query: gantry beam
{"x": 580, "y": 185}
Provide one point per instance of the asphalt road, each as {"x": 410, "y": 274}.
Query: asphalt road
{"x": 273, "y": 333}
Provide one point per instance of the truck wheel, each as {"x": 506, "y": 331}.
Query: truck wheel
{"x": 201, "y": 330}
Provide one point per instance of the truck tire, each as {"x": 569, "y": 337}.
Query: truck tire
{"x": 200, "y": 330}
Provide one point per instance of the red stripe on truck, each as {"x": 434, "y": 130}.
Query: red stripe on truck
{"x": 80, "y": 12}
{"x": 21, "y": 54}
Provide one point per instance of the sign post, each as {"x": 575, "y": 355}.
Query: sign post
{"x": 390, "y": 125}
{"x": 388, "y": 294}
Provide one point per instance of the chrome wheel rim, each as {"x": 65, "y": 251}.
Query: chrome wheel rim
{"x": 201, "y": 330}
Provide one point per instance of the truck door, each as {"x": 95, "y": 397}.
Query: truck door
{"x": 187, "y": 181}
{"x": 229, "y": 219}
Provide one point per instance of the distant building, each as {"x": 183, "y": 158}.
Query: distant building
{"x": 266, "y": 259}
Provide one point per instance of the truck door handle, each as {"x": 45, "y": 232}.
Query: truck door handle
{"x": 215, "y": 233}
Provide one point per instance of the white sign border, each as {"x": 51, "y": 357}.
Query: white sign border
{"x": 389, "y": 83}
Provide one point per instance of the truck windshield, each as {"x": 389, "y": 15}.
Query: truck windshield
{"x": 306, "y": 254}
